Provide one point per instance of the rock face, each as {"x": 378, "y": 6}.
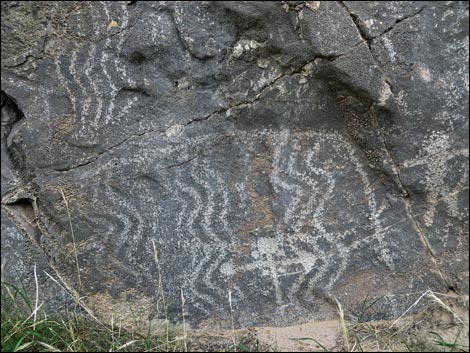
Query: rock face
{"x": 273, "y": 155}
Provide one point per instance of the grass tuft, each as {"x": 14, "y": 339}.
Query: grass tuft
{"x": 25, "y": 327}
{"x": 21, "y": 332}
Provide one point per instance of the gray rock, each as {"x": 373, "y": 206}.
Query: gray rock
{"x": 275, "y": 155}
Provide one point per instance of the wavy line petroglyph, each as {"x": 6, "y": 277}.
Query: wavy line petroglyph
{"x": 272, "y": 248}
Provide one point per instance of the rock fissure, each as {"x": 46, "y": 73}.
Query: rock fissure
{"x": 107, "y": 150}
{"x": 22, "y": 212}
{"x": 361, "y": 25}
{"x": 178, "y": 164}
{"x": 368, "y": 40}
{"x": 11, "y": 116}
{"x": 293, "y": 71}
{"x": 23, "y": 61}
{"x": 397, "y": 22}
{"x": 406, "y": 197}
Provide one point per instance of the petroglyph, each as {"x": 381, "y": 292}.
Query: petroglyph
{"x": 288, "y": 154}
{"x": 272, "y": 212}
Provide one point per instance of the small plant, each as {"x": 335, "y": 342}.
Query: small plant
{"x": 454, "y": 347}
{"x": 324, "y": 349}
{"x": 363, "y": 308}
{"x": 20, "y": 332}
{"x": 444, "y": 316}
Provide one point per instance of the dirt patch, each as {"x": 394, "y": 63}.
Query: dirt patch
{"x": 309, "y": 337}
{"x": 441, "y": 327}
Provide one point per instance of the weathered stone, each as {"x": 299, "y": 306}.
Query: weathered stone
{"x": 279, "y": 155}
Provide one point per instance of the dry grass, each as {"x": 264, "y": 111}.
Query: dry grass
{"x": 73, "y": 237}
{"x": 441, "y": 327}
{"x": 344, "y": 329}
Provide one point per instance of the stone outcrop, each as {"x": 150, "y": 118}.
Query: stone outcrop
{"x": 273, "y": 155}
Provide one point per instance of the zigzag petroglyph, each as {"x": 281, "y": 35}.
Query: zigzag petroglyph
{"x": 253, "y": 216}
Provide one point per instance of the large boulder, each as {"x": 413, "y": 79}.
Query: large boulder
{"x": 260, "y": 159}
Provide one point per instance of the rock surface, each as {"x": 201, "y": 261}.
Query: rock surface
{"x": 276, "y": 155}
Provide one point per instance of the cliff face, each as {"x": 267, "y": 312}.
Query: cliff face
{"x": 279, "y": 154}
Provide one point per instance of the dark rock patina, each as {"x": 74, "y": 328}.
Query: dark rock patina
{"x": 286, "y": 153}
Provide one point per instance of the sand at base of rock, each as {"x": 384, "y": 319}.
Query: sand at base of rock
{"x": 301, "y": 338}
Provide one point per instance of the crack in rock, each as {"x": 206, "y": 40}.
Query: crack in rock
{"x": 22, "y": 212}
{"x": 395, "y": 166}
{"x": 292, "y": 71}
{"x": 397, "y": 21}
{"x": 359, "y": 23}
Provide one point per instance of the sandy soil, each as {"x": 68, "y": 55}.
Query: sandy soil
{"x": 441, "y": 327}
{"x": 301, "y": 338}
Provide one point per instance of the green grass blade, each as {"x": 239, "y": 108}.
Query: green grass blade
{"x": 311, "y": 339}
